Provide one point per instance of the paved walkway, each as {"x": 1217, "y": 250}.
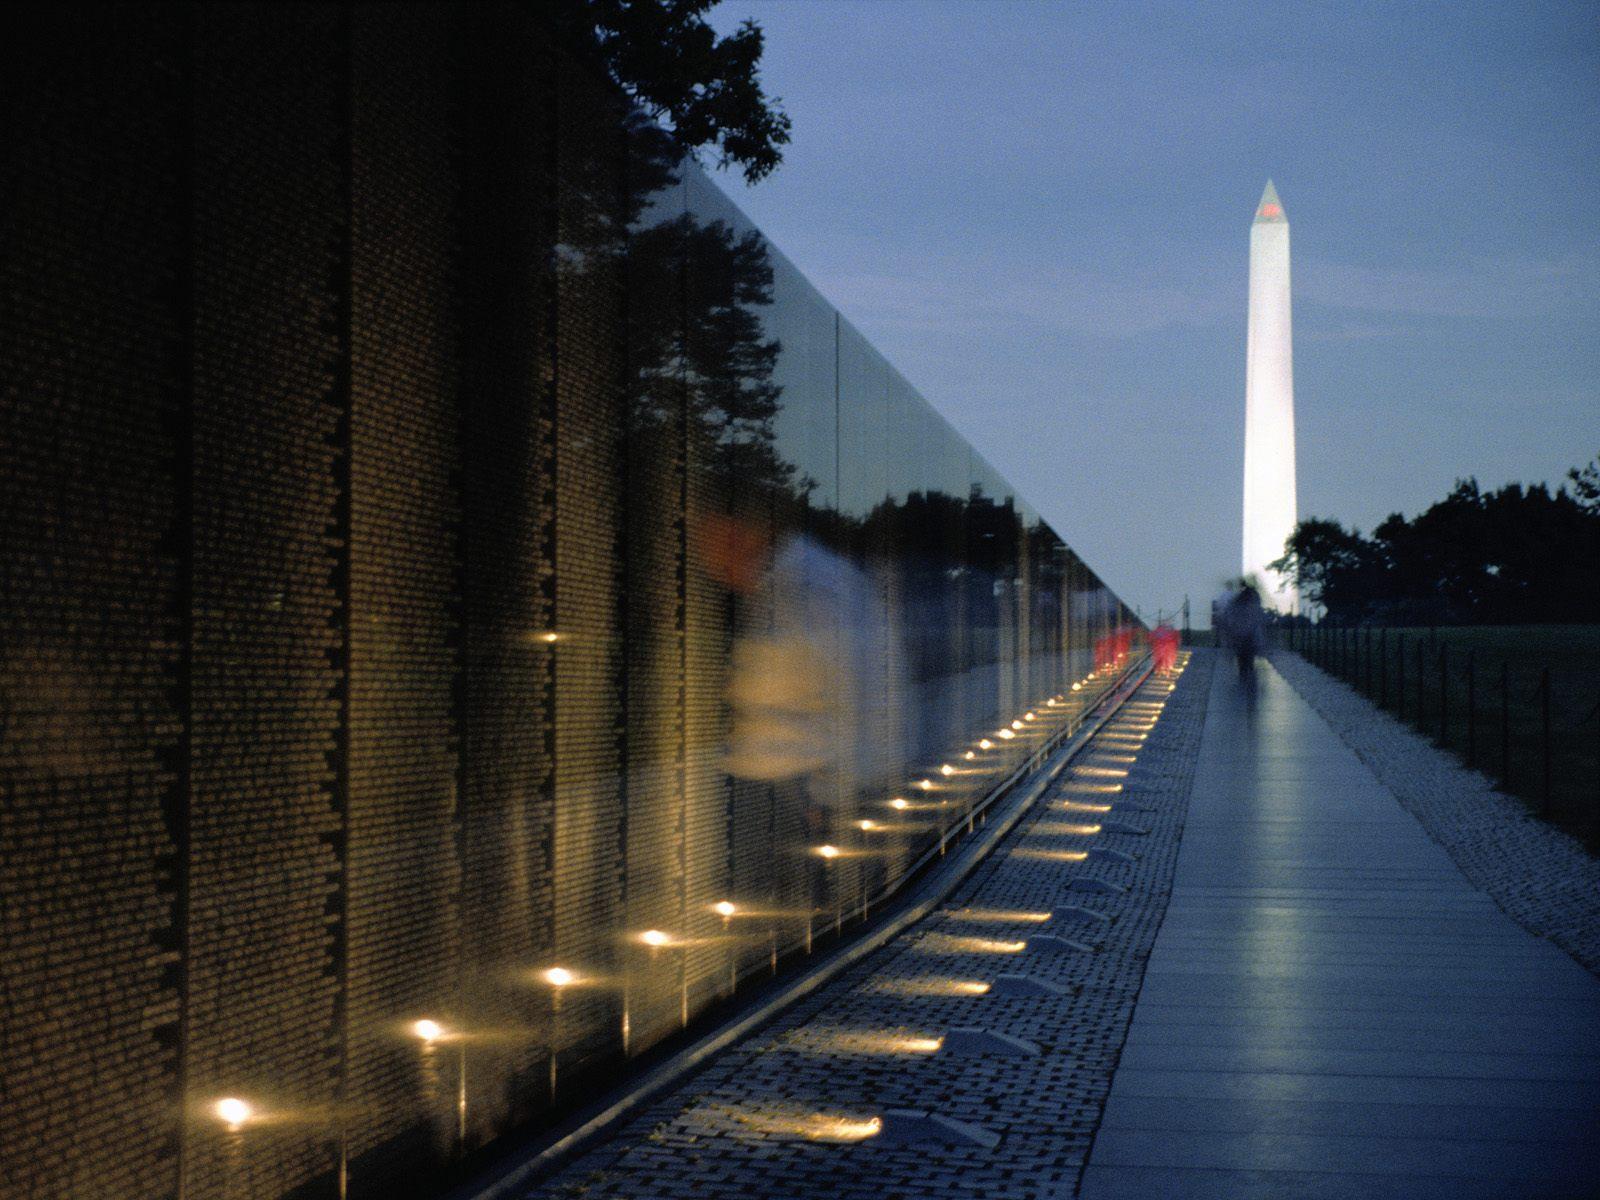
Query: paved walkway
{"x": 806, "y": 1107}
{"x": 1331, "y": 1009}
{"x": 1292, "y": 993}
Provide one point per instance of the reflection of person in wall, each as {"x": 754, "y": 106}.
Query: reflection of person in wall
{"x": 804, "y": 686}
{"x": 1164, "y": 647}
{"x": 799, "y": 684}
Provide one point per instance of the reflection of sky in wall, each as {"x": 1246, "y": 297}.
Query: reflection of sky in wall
{"x": 1040, "y": 213}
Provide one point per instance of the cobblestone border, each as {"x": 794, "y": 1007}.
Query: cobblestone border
{"x": 1540, "y": 876}
{"x": 858, "y": 1046}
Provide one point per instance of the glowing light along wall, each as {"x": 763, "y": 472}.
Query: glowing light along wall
{"x": 414, "y": 469}
{"x": 1269, "y": 478}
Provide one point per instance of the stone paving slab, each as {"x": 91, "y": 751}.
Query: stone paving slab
{"x": 1271, "y": 1087}
{"x": 1542, "y": 877}
{"x": 1158, "y": 1183}
{"x": 783, "y": 1113}
{"x": 1323, "y": 1010}
{"x": 1365, "y": 1154}
{"x": 1349, "y": 1118}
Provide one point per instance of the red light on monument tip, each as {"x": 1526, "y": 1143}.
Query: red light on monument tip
{"x": 1271, "y": 210}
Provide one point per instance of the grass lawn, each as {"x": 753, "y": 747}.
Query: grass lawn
{"x": 1501, "y": 734}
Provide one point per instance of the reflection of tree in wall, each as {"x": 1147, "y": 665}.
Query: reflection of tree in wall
{"x": 710, "y": 354}
{"x": 696, "y": 341}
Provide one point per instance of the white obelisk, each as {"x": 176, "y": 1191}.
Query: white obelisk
{"x": 1269, "y": 498}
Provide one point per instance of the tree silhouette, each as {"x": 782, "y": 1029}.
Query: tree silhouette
{"x": 1514, "y": 555}
{"x": 706, "y": 89}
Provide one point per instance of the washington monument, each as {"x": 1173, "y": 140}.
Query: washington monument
{"x": 1269, "y": 498}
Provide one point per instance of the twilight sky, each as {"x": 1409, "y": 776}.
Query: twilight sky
{"x": 1040, "y": 213}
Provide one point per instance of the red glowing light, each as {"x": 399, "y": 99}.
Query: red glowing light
{"x": 1271, "y": 210}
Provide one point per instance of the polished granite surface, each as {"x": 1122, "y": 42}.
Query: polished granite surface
{"x": 1331, "y": 1009}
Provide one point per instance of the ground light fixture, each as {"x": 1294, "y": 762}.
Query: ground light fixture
{"x": 948, "y": 943}
{"x": 559, "y": 978}
{"x": 427, "y": 1031}
{"x": 1002, "y": 915}
{"x": 848, "y": 1041}
{"x": 1072, "y": 856}
{"x": 932, "y": 987}
{"x": 233, "y": 1112}
{"x": 825, "y": 1127}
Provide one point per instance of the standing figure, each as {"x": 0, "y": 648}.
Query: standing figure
{"x": 1242, "y": 628}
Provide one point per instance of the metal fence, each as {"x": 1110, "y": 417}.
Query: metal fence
{"x": 1505, "y": 709}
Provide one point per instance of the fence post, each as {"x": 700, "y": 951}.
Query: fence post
{"x": 1444, "y": 694}
{"x": 1544, "y": 738}
{"x": 1400, "y": 676}
{"x": 1383, "y": 667}
{"x": 1505, "y": 727}
{"x": 1422, "y": 687}
{"x": 1472, "y": 709}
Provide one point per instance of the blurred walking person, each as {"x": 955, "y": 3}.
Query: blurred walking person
{"x": 1241, "y": 627}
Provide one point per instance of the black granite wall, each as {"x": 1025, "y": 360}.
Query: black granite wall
{"x": 394, "y": 428}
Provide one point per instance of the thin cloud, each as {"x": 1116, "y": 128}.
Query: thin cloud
{"x": 1490, "y": 288}
{"x": 972, "y": 299}
{"x": 1350, "y": 333}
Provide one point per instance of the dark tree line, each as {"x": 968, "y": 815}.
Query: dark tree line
{"x": 1516, "y": 555}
